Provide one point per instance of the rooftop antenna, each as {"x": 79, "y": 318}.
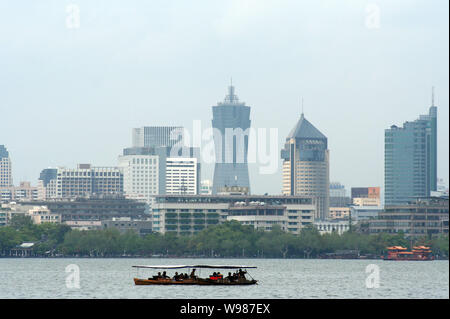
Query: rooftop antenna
{"x": 302, "y": 107}
{"x": 432, "y": 96}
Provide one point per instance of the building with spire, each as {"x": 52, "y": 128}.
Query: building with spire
{"x": 410, "y": 159}
{"x": 231, "y": 121}
{"x": 306, "y": 165}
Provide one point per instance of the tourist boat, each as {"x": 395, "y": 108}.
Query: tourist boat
{"x": 196, "y": 280}
{"x": 402, "y": 253}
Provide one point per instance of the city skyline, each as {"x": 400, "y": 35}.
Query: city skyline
{"x": 362, "y": 79}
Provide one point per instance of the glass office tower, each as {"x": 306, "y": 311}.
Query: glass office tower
{"x": 156, "y": 136}
{"x": 5, "y": 168}
{"x": 231, "y": 121}
{"x": 410, "y": 159}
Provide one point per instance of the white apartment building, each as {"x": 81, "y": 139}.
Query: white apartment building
{"x": 86, "y": 180}
{"x": 182, "y": 175}
{"x": 141, "y": 177}
{"x": 23, "y": 192}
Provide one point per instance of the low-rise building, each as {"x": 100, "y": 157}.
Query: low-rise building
{"x": 41, "y": 214}
{"x": 38, "y": 214}
{"x": 339, "y": 213}
{"x": 125, "y": 224}
{"x": 360, "y": 213}
{"x": 366, "y": 201}
{"x": 84, "y": 224}
{"x": 423, "y": 217}
{"x": 331, "y": 226}
{"x": 95, "y": 208}
{"x": 188, "y": 214}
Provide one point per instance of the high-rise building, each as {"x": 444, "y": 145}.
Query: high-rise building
{"x": 231, "y": 121}
{"x": 410, "y": 159}
{"x": 143, "y": 174}
{"x": 5, "y": 168}
{"x": 306, "y": 165}
{"x": 156, "y": 136}
{"x": 182, "y": 175}
{"x": 150, "y": 171}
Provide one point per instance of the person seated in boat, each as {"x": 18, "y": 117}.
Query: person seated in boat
{"x": 230, "y": 277}
{"x": 176, "y": 277}
{"x": 157, "y": 277}
{"x": 164, "y": 276}
{"x": 213, "y": 276}
{"x": 193, "y": 276}
{"x": 219, "y": 275}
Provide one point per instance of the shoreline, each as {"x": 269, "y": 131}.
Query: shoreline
{"x": 184, "y": 257}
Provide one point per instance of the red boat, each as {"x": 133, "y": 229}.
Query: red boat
{"x": 402, "y": 253}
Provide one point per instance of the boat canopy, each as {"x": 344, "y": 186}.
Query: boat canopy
{"x": 192, "y": 266}
{"x": 397, "y": 248}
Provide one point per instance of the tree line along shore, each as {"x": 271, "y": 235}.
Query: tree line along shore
{"x": 227, "y": 240}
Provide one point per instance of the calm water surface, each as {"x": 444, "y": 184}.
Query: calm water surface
{"x": 278, "y": 278}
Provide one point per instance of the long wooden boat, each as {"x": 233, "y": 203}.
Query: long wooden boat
{"x": 212, "y": 281}
{"x": 161, "y": 281}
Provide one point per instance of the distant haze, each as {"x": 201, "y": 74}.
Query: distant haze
{"x": 72, "y": 93}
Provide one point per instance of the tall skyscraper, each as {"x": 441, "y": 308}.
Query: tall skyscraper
{"x": 410, "y": 159}
{"x": 231, "y": 121}
{"x": 5, "y": 168}
{"x": 306, "y": 165}
{"x": 156, "y": 136}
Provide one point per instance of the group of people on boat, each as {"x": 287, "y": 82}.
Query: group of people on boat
{"x": 231, "y": 277}
{"x": 236, "y": 275}
{"x": 176, "y": 277}
{"x": 240, "y": 274}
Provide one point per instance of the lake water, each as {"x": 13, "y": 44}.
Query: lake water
{"x": 278, "y": 278}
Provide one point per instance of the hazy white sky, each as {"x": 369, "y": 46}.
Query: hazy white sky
{"x": 72, "y": 95}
